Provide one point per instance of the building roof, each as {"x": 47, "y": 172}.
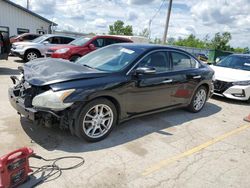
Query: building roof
{"x": 29, "y": 12}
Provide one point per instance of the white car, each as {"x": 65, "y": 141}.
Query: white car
{"x": 232, "y": 77}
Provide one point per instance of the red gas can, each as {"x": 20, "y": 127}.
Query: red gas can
{"x": 14, "y": 167}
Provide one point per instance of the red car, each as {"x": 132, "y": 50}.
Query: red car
{"x": 83, "y": 45}
{"x": 24, "y": 37}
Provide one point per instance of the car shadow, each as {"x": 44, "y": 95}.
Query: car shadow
{"x": 8, "y": 71}
{"x": 230, "y": 101}
{"x": 56, "y": 139}
{"x": 19, "y": 61}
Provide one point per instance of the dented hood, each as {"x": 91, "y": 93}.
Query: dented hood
{"x": 45, "y": 71}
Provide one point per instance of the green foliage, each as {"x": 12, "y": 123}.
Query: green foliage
{"x": 190, "y": 41}
{"x": 220, "y": 41}
{"x": 118, "y": 28}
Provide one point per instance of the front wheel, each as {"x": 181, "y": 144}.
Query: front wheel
{"x": 96, "y": 120}
{"x": 31, "y": 55}
{"x": 199, "y": 99}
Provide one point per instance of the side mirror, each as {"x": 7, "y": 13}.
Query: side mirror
{"x": 217, "y": 60}
{"x": 145, "y": 70}
{"x": 46, "y": 42}
{"x": 20, "y": 39}
{"x": 92, "y": 47}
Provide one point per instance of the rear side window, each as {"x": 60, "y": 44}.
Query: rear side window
{"x": 66, "y": 40}
{"x": 54, "y": 40}
{"x": 109, "y": 42}
{"x": 182, "y": 61}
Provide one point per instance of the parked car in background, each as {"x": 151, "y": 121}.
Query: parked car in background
{"x": 4, "y": 46}
{"x": 201, "y": 57}
{"x": 24, "y": 37}
{"x": 232, "y": 77}
{"x": 83, "y": 46}
{"x": 37, "y": 47}
{"x": 110, "y": 85}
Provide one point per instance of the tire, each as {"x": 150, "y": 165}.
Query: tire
{"x": 199, "y": 99}
{"x": 31, "y": 55}
{"x": 74, "y": 58}
{"x": 89, "y": 125}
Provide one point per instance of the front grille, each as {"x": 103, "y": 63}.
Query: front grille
{"x": 221, "y": 86}
{"x": 27, "y": 92}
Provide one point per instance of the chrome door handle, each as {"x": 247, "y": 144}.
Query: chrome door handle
{"x": 167, "y": 81}
{"x": 197, "y": 77}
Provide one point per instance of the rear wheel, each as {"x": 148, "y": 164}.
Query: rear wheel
{"x": 74, "y": 58}
{"x": 31, "y": 55}
{"x": 199, "y": 99}
{"x": 96, "y": 120}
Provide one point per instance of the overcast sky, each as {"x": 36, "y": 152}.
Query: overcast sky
{"x": 199, "y": 17}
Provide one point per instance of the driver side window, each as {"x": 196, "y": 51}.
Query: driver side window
{"x": 98, "y": 43}
{"x": 157, "y": 60}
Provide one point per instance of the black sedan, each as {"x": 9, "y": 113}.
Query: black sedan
{"x": 108, "y": 86}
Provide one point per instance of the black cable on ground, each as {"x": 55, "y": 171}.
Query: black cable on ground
{"x": 53, "y": 168}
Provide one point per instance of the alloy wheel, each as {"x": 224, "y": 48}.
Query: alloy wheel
{"x": 98, "y": 120}
{"x": 31, "y": 56}
{"x": 200, "y": 99}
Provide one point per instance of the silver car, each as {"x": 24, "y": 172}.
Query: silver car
{"x": 37, "y": 48}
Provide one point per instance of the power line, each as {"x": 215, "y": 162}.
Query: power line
{"x": 151, "y": 19}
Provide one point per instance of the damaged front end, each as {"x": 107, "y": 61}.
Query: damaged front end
{"x": 41, "y": 104}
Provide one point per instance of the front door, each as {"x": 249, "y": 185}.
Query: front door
{"x": 148, "y": 92}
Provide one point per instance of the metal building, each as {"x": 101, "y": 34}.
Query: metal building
{"x": 15, "y": 20}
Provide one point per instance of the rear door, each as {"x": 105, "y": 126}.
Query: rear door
{"x": 185, "y": 75}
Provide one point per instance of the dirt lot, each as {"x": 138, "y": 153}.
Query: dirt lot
{"x": 170, "y": 149}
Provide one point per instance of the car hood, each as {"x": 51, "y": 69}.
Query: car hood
{"x": 45, "y": 71}
{"x": 60, "y": 47}
{"x": 230, "y": 75}
{"x": 27, "y": 43}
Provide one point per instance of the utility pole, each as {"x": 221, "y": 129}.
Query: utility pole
{"x": 28, "y": 4}
{"x": 167, "y": 22}
{"x": 149, "y": 29}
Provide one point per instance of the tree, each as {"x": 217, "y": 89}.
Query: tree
{"x": 190, "y": 41}
{"x": 118, "y": 28}
{"x": 220, "y": 41}
{"x": 144, "y": 33}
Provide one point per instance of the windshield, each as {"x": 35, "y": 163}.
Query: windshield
{"x": 235, "y": 62}
{"x": 111, "y": 58}
{"x": 40, "y": 39}
{"x": 80, "y": 41}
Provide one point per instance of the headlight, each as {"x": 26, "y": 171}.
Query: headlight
{"x": 19, "y": 46}
{"x": 213, "y": 78}
{"x": 52, "y": 100}
{"x": 61, "y": 51}
{"x": 242, "y": 83}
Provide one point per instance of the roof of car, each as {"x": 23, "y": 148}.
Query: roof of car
{"x": 112, "y": 36}
{"x": 242, "y": 55}
{"x": 148, "y": 46}
{"x": 55, "y": 35}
